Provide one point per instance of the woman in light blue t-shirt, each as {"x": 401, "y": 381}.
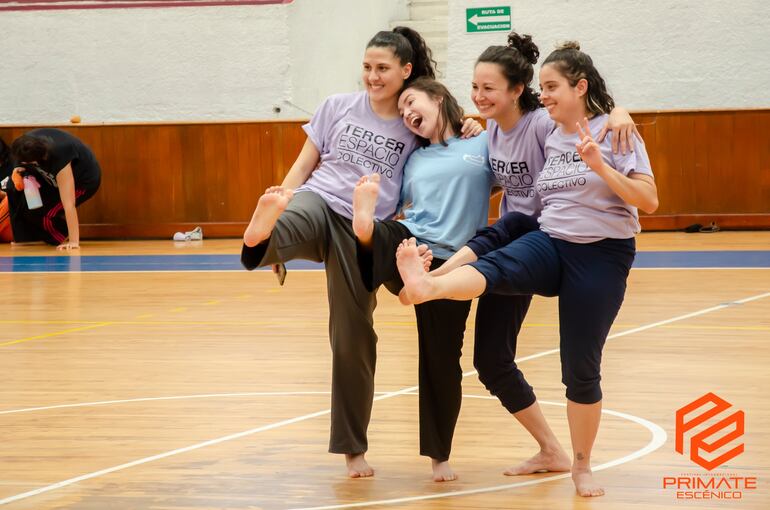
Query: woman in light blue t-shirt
{"x": 445, "y": 198}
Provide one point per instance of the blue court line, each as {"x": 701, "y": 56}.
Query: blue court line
{"x": 128, "y": 263}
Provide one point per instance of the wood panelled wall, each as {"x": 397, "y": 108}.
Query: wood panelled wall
{"x": 160, "y": 178}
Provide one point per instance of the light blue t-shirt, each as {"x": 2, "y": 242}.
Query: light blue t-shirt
{"x": 445, "y": 193}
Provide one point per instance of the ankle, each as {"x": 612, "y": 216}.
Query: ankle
{"x": 581, "y": 466}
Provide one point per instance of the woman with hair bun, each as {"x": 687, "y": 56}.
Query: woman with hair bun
{"x": 309, "y": 217}
{"x": 582, "y": 252}
{"x": 518, "y": 126}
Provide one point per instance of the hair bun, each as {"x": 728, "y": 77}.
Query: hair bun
{"x": 569, "y": 45}
{"x": 525, "y": 46}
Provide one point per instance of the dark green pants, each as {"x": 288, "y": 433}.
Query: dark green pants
{"x": 308, "y": 229}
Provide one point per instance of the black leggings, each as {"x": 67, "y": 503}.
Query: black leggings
{"x": 440, "y": 332}
{"x": 499, "y": 318}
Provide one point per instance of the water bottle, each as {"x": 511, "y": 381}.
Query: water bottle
{"x": 32, "y": 193}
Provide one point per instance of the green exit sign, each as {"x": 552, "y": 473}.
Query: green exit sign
{"x": 488, "y": 19}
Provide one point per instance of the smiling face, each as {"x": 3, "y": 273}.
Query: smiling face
{"x": 564, "y": 102}
{"x": 383, "y": 74}
{"x": 421, "y": 113}
{"x": 491, "y": 92}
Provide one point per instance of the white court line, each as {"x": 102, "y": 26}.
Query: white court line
{"x": 239, "y": 435}
{"x": 657, "y": 440}
{"x": 177, "y": 397}
{"x": 696, "y": 268}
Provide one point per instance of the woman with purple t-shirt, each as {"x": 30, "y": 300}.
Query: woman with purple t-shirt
{"x": 518, "y": 127}
{"x": 583, "y": 251}
{"x": 309, "y": 217}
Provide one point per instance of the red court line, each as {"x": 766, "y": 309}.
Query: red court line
{"x": 48, "y": 5}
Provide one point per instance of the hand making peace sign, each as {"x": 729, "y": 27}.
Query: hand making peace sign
{"x": 588, "y": 149}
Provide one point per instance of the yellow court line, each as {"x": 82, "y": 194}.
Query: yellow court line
{"x": 57, "y": 333}
{"x": 723, "y": 328}
{"x": 324, "y": 323}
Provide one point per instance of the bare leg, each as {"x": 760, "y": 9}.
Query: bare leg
{"x": 442, "y": 471}
{"x": 269, "y": 208}
{"x": 462, "y": 284}
{"x": 583, "y": 427}
{"x": 551, "y": 456}
{"x": 364, "y": 203}
{"x": 357, "y": 466}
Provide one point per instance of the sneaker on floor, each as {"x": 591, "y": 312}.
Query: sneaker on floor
{"x": 195, "y": 234}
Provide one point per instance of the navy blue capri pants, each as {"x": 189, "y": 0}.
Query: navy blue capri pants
{"x": 590, "y": 280}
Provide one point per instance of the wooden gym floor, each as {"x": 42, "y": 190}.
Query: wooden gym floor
{"x": 136, "y": 389}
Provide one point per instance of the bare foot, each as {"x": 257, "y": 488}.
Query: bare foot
{"x": 426, "y": 255}
{"x": 269, "y": 208}
{"x": 364, "y": 203}
{"x": 442, "y": 471}
{"x": 542, "y": 462}
{"x": 584, "y": 483}
{"x": 357, "y": 466}
{"x": 417, "y": 284}
{"x": 427, "y": 258}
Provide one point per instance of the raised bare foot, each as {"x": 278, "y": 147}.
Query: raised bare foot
{"x": 357, "y": 466}
{"x": 411, "y": 267}
{"x": 364, "y": 203}
{"x": 542, "y": 462}
{"x": 269, "y": 208}
{"x": 442, "y": 471}
{"x": 426, "y": 255}
{"x": 584, "y": 483}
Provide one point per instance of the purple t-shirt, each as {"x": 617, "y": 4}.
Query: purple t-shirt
{"x": 354, "y": 141}
{"x": 578, "y": 205}
{"x": 516, "y": 158}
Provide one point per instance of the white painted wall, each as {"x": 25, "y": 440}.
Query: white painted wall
{"x": 196, "y": 63}
{"x": 659, "y": 54}
{"x": 328, "y": 39}
{"x": 225, "y": 63}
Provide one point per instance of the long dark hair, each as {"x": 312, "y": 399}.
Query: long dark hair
{"x": 450, "y": 112}
{"x": 409, "y": 47}
{"x": 516, "y": 60}
{"x": 575, "y": 65}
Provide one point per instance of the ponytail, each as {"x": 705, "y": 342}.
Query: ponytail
{"x": 409, "y": 47}
{"x": 575, "y": 65}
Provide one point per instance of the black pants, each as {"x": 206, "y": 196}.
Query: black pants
{"x": 499, "y": 318}
{"x": 46, "y": 223}
{"x": 440, "y": 332}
